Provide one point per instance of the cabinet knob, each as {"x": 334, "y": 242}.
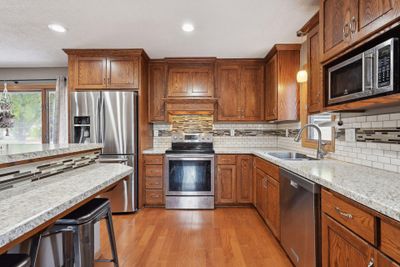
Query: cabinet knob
{"x": 371, "y": 263}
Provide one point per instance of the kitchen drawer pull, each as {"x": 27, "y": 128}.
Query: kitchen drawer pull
{"x": 155, "y": 196}
{"x": 371, "y": 263}
{"x": 344, "y": 214}
{"x": 294, "y": 184}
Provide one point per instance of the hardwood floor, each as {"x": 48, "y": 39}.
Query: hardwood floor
{"x": 222, "y": 237}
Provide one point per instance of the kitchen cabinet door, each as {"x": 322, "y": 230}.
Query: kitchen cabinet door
{"x": 382, "y": 261}
{"x": 341, "y": 247}
{"x": 335, "y": 25}
{"x": 179, "y": 82}
{"x": 273, "y": 208}
{"x": 122, "y": 72}
{"x": 375, "y": 12}
{"x": 314, "y": 97}
{"x": 226, "y": 184}
{"x": 90, "y": 73}
{"x": 157, "y": 88}
{"x": 252, "y": 84}
{"x": 244, "y": 179}
{"x": 229, "y": 93}
{"x": 271, "y": 89}
{"x": 259, "y": 191}
{"x": 202, "y": 82}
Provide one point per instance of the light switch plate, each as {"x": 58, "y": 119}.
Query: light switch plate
{"x": 350, "y": 135}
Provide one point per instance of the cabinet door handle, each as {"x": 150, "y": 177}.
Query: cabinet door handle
{"x": 353, "y": 25}
{"x": 346, "y": 30}
{"x": 371, "y": 263}
{"x": 344, "y": 214}
{"x": 105, "y": 80}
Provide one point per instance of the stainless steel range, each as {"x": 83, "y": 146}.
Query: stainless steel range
{"x": 189, "y": 172}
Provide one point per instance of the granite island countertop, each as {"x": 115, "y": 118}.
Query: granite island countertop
{"x": 374, "y": 188}
{"x": 26, "y": 207}
{"x": 12, "y": 153}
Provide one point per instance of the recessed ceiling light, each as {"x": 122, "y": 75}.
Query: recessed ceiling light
{"x": 187, "y": 27}
{"x": 57, "y": 28}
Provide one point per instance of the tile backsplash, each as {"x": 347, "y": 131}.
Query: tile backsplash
{"x": 376, "y": 144}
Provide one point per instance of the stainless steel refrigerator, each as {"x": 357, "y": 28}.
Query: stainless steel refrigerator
{"x": 110, "y": 117}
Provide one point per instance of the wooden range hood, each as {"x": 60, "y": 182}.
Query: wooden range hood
{"x": 190, "y": 106}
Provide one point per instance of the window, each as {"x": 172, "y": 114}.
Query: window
{"x": 33, "y": 110}
{"x": 27, "y": 111}
{"x": 320, "y": 119}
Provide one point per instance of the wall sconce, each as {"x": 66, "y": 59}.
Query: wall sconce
{"x": 302, "y": 76}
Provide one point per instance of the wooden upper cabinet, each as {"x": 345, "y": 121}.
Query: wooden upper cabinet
{"x": 344, "y": 23}
{"x": 335, "y": 19}
{"x": 244, "y": 177}
{"x": 281, "y": 89}
{"x": 252, "y": 87}
{"x": 314, "y": 88}
{"x": 340, "y": 247}
{"x": 157, "y": 91}
{"x": 271, "y": 91}
{"x": 382, "y": 261}
{"x": 103, "y": 68}
{"x": 91, "y": 72}
{"x": 240, "y": 90}
{"x": 190, "y": 79}
{"x": 122, "y": 72}
{"x": 228, "y": 92}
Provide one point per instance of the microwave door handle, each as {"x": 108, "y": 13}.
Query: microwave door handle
{"x": 368, "y": 72}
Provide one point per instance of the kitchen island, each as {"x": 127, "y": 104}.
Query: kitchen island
{"x": 44, "y": 183}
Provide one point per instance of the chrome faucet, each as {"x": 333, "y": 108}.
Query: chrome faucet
{"x": 321, "y": 145}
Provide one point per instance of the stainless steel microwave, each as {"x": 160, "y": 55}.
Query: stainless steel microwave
{"x": 367, "y": 74}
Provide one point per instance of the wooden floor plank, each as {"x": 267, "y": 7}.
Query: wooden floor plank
{"x": 221, "y": 237}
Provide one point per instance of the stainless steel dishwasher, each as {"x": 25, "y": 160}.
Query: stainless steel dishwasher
{"x": 300, "y": 219}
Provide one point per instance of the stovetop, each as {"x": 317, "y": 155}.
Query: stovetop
{"x": 191, "y": 144}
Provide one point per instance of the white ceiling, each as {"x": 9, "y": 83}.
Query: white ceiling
{"x": 223, "y": 28}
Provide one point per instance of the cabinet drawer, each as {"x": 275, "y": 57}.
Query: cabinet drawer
{"x": 154, "y": 197}
{"x": 226, "y": 159}
{"x": 156, "y": 159}
{"x": 354, "y": 218}
{"x": 154, "y": 183}
{"x": 267, "y": 167}
{"x": 390, "y": 241}
{"x": 153, "y": 170}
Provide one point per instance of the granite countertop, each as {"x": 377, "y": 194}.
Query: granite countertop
{"x": 26, "y": 207}
{"x": 374, "y": 188}
{"x": 11, "y": 153}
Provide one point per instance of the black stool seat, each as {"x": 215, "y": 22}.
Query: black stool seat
{"x": 15, "y": 260}
{"x": 85, "y": 213}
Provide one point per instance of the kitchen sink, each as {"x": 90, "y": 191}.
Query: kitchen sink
{"x": 290, "y": 156}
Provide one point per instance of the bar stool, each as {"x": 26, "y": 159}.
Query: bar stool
{"x": 78, "y": 233}
{"x": 14, "y": 260}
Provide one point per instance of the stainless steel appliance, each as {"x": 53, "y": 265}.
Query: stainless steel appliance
{"x": 300, "y": 224}
{"x": 189, "y": 172}
{"x": 110, "y": 117}
{"x": 373, "y": 72}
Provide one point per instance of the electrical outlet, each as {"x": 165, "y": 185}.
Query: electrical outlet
{"x": 350, "y": 135}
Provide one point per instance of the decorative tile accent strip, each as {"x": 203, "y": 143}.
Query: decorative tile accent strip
{"x": 385, "y": 135}
{"x": 164, "y": 133}
{"x": 221, "y": 132}
{"x": 253, "y": 132}
{"x": 192, "y": 123}
{"x": 10, "y": 177}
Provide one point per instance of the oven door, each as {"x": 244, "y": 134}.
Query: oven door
{"x": 351, "y": 79}
{"x": 189, "y": 175}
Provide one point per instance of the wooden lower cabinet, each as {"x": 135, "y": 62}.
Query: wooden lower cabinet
{"x": 153, "y": 180}
{"x": 272, "y": 206}
{"x": 341, "y": 247}
{"x": 234, "y": 183}
{"x": 268, "y": 194}
{"x": 244, "y": 181}
{"x": 226, "y": 184}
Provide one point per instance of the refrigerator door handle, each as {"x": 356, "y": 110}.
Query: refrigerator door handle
{"x": 101, "y": 119}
